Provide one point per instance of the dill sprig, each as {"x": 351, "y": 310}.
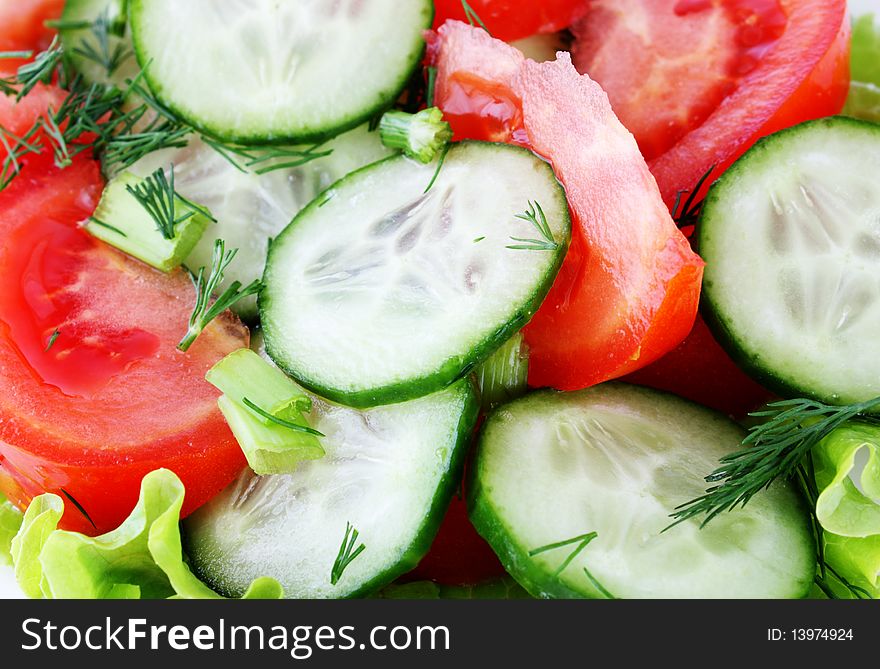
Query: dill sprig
{"x": 773, "y": 450}
{"x": 40, "y": 70}
{"x": 79, "y": 507}
{"x": 582, "y": 541}
{"x": 52, "y": 338}
{"x": 347, "y": 553}
{"x": 157, "y": 196}
{"x": 579, "y": 542}
{"x": 687, "y": 214}
{"x": 16, "y": 150}
{"x": 98, "y": 50}
{"x": 472, "y": 17}
{"x": 535, "y": 216}
{"x": 205, "y": 311}
{"x": 267, "y": 159}
{"x": 279, "y": 421}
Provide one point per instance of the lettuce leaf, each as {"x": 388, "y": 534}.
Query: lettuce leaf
{"x": 847, "y": 470}
{"x": 142, "y": 558}
{"x": 842, "y": 508}
{"x": 10, "y": 522}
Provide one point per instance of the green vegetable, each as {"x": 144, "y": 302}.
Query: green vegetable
{"x": 864, "y": 94}
{"x": 148, "y": 220}
{"x": 264, "y": 410}
{"x": 421, "y": 136}
{"x": 10, "y": 522}
{"x": 850, "y": 513}
{"x": 504, "y": 375}
{"x": 142, "y": 558}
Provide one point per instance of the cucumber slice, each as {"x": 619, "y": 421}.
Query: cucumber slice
{"x": 615, "y": 459}
{"x": 264, "y": 71}
{"x": 389, "y": 472}
{"x": 791, "y": 240}
{"x": 101, "y": 51}
{"x": 251, "y": 209}
{"x": 380, "y": 291}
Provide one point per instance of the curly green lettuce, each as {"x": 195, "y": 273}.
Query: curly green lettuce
{"x": 142, "y": 558}
{"x": 847, "y": 471}
{"x": 10, "y": 522}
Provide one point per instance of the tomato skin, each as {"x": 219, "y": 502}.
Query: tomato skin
{"x": 90, "y": 427}
{"x": 458, "y": 555}
{"x": 804, "y": 76}
{"x": 22, "y": 29}
{"x": 628, "y": 289}
{"x": 511, "y": 20}
{"x": 701, "y": 371}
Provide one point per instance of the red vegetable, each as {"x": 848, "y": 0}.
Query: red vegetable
{"x": 628, "y": 289}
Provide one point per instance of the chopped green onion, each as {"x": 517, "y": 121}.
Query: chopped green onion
{"x": 245, "y": 375}
{"x": 421, "y": 136}
{"x": 122, "y": 221}
{"x": 268, "y": 448}
{"x": 504, "y": 375}
{"x": 264, "y": 410}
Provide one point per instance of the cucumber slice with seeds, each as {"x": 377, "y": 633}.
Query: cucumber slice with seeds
{"x": 389, "y": 472}
{"x": 251, "y": 209}
{"x": 594, "y": 474}
{"x": 263, "y": 71}
{"x": 380, "y": 291}
{"x": 791, "y": 239}
{"x": 102, "y": 54}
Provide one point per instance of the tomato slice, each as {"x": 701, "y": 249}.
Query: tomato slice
{"x": 700, "y": 370}
{"x": 93, "y": 392}
{"x": 458, "y": 555}
{"x": 22, "y": 28}
{"x": 629, "y": 287}
{"x": 513, "y": 19}
{"x": 699, "y": 81}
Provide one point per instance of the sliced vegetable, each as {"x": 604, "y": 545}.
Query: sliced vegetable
{"x": 265, "y": 410}
{"x": 401, "y": 252}
{"x": 351, "y": 522}
{"x": 511, "y": 19}
{"x": 251, "y": 208}
{"x": 149, "y": 220}
{"x": 141, "y": 559}
{"x": 111, "y": 399}
{"x": 420, "y": 136}
{"x": 265, "y": 72}
{"x": 22, "y": 28}
{"x": 504, "y": 375}
{"x": 789, "y": 235}
{"x": 573, "y": 491}
{"x": 502, "y": 588}
{"x": 629, "y": 287}
{"x": 96, "y": 42}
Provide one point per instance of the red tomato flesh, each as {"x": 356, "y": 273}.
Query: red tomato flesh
{"x": 699, "y": 81}
{"x": 513, "y": 19}
{"x": 629, "y": 287}
{"x": 22, "y": 28}
{"x": 112, "y": 398}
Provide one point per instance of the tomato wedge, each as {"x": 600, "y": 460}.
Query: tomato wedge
{"x": 699, "y": 81}
{"x": 513, "y": 19}
{"x": 22, "y": 28}
{"x": 629, "y": 287}
{"x": 93, "y": 393}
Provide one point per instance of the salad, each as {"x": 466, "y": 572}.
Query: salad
{"x": 570, "y": 299}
